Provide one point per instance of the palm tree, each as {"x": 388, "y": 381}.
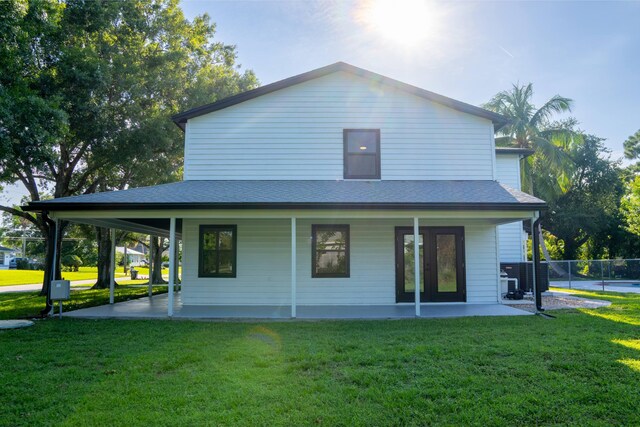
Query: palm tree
{"x": 535, "y": 129}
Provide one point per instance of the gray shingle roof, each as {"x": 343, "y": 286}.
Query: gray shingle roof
{"x": 304, "y": 194}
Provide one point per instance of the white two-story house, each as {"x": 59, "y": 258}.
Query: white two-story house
{"x": 336, "y": 187}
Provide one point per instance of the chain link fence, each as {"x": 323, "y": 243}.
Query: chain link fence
{"x": 621, "y": 275}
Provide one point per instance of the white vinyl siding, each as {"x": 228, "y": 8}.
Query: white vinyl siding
{"x": 296, "y": 133}
{"x": 482, "y": 265}
{"x": 263, "y": 266}
{"x": 508, "y": 169}
{"x": 511, "y": 235}
{"x": 511, "y": 241}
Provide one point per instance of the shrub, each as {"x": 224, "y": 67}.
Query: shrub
{"x": 73, "y": 262}
{"x": 22, "y": 264}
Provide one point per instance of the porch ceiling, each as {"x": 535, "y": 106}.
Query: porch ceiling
{"x": 153, "y": 226}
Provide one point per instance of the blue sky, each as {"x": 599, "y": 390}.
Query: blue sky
{"x": 588, "y": 51}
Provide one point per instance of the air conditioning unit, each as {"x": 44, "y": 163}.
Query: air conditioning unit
{"x": 523, "y": 271}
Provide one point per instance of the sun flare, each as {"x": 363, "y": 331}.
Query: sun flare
{"x": 405, "y": 22}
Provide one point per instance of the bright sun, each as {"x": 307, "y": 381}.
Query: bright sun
{"x": 406, "y": 22}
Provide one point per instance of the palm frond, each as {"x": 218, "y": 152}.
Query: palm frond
{"x": 563, "y": 138}
{"x": 557, "y": 104}
{"x": 557, "y": 162}
{"x": 505, "y": 141}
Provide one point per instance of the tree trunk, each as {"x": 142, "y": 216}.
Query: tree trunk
{"x": 49, "y": 238}
{"x": 104, "y": 258}
{"x": 570, "y": 249}
{"x": 125, "y": 260}
{"x": 156, "y": 247}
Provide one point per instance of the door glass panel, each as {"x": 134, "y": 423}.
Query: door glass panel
{"x": 409, "y": 276}
{"x": 446, "y": 263}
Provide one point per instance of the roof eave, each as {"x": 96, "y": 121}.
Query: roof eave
{"x": 525, "y": 152}
{"x": 321, "y": 206}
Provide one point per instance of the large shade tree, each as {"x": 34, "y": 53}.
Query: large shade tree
{"x": 589, "y": 210}
{"x": 81, "y": 81}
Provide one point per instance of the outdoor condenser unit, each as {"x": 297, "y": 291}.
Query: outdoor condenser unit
{"x": 523, "y": 271}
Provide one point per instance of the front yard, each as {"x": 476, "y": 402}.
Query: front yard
{"x": 582, "y": 368}
{"x": 27, "y": 277}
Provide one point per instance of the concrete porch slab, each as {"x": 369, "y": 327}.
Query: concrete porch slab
{"x": 156, "y": 308}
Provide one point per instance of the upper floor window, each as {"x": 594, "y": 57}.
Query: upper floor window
{"x": 361, "y": 153}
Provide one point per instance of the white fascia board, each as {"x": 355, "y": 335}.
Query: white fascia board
{"x": 488, "y": 215}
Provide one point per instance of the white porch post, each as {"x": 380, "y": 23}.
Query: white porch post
{"x": 293, "y": 267}
{"x": 150, "y": 268}
{"x": 172, "y": 264}
{"x": 416, "y": 261}
{"x": 177, "y": 264}
{"x": 112, "y": 279}
{"x": 499, "y": 288}
{"x": 534, "y": 273}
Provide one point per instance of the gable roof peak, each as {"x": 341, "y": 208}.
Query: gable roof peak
{"x": 181, "y": 119}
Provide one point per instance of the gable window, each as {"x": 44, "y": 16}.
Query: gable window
{"x": 361, "y": 153}
{"x": 330, "y": 250}
{"x": 217, "y": 254}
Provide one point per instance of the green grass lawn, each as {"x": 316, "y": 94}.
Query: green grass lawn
{"x": 16, "y": 305}
{"x": 25, "y": 277}
{"x": 581, "y": 368}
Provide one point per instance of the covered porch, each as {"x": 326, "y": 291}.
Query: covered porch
{"x": 157, "y": 308}
{"x": 273, "y": 223}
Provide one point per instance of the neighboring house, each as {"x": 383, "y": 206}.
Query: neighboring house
{"x": 134, "y": 257}
{"x": 5, "y": 255}
{"x": 312, "y": 191}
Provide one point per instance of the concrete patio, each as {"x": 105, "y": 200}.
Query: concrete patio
{"x": 156, "y": 308}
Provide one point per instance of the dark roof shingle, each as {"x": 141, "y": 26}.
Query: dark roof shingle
{"x": 434, "y": 194}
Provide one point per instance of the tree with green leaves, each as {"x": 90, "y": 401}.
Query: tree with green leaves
{"x": 87, "y": 89}
{"x": 632, "y": 146}
{"x": 630, "y": 205}
{"x": 535, "y": 129}
{"x": 588, "y": 211}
